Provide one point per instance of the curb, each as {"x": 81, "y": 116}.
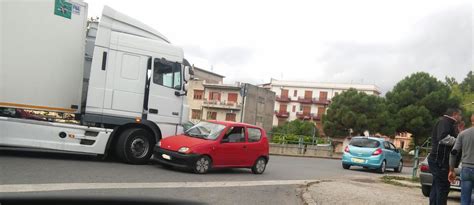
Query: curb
{"x": 294, "y": 155}
{"x": 319, "y": 157}
{"x": 306, "y": 195}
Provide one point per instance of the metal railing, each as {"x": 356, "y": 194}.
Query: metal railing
{"x": 416, "y": 159}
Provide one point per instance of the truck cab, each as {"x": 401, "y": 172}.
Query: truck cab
{"x": 135, "y": 74}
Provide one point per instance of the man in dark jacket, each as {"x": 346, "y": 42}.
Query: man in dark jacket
{"x": 442, "y": 140}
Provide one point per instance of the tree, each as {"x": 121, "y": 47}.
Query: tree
{"x": 467, "y": 84}
{"x": 464, "y": 92}
{"x": 417, "y": 101}
{"x": 357, "y": 112}
{"x": 450, "y": 81}
{"x": 297, "y": 127}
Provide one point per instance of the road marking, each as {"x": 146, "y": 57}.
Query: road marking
{"x": 160, "y": 185}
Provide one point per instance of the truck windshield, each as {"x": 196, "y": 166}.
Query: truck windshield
{"x": 364, "y": 142}
{"x": 205, "y": 130}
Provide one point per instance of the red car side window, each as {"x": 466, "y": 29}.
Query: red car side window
{"x": 254, "y": 134}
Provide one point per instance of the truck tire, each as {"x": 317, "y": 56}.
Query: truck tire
{"x": 135, "y": 146}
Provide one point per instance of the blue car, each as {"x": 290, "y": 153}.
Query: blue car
{"x": 372, "y": 153}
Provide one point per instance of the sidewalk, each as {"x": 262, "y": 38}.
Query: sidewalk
{"x": 368, "y": 190}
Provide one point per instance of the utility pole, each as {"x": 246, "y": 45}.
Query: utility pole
{"x": 243, "y": 92}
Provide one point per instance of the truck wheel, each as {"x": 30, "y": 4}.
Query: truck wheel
{"x": 426, "y": 190}
{"x": 135, "y": 146}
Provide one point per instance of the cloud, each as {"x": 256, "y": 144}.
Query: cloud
{"x": 440, "y": 44}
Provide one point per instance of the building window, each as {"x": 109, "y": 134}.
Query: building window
{"x": 301, "y": 108}
{"x": 294, "y": 108}
{"x": 232, "y": 97}
{"x": 196, "y": 114}
{"x": 323, "y": 95}
{"x": 230, "y": 117}
{"x": 295, "y": 93}
{"x": 198, "y": 94}
{"x": 284, "y": 93}
{"x": 215, "y": 96}
{"x": 211, "y": 115}
{"x": 308, "y": 94}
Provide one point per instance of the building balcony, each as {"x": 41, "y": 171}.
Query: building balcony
{"x": 305, "y": 100}
{"x": 221, "y": 104}
{"x": 281, "y": 114}
{"x": 316, "y": 117}
{"x": 304, "y": 116}
{"x": 283, "y": 98}
{"x": 321, "y": 101}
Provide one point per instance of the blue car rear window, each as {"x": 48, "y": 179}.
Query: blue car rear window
{"x": 364, "y": 142}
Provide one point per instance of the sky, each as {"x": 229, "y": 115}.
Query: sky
{"x": 364, "y": 41}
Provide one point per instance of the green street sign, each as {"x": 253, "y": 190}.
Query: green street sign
{"x": 62, "y": 8}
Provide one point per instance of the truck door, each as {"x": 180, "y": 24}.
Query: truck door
{"x": 165, "y": 103}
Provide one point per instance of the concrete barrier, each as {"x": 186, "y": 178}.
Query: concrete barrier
{"x": 319, "y": 151}
{"x": 325, "y": 151}
{"x": 291, "y": 149}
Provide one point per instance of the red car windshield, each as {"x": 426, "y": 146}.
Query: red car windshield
{"x": 205, "y": 130}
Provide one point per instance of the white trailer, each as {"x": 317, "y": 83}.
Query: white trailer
{"x": 124, "y": 81}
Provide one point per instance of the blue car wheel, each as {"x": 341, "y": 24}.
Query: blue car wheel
{"x": 382, "y": 167}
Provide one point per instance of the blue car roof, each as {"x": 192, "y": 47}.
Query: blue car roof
{"x": 372, "y": 138}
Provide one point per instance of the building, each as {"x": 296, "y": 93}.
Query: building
{"x": 258, "y": 106}
{"x": 222, "y": 102}
{"x": 208, "y": 76}
{"x": 210, "y": 99}
{"x": 196, "y": 96}
{"x": 308, "y": 100}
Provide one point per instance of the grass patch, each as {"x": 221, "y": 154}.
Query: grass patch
{"x": 394, "y": 180}
{"x": 389, "y": 178}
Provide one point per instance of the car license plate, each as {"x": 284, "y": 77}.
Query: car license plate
{"x": 456, "y": 183}
{"x": 358, "y": 160}
{"x": 165, "y": 156}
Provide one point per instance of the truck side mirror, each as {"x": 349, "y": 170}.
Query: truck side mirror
{"x": 187, "y": 73}
{"x": 185, "y": 87}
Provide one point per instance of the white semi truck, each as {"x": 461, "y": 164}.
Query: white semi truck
{"x": 124, "y": 81}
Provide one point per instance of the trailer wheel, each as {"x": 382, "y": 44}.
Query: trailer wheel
{"x": 134, "y": 146}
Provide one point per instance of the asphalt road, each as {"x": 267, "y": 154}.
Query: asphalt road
{"x": 227, "y": 186}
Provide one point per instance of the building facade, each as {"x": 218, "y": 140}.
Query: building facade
{"x": 210, "y": 99}
{"x": 196, "y": 95}
{"x": 258, "y": 106}
{"x": 222, "y": 102}
{"x": 308, "y": 100}
{"x": 208, "y": 76}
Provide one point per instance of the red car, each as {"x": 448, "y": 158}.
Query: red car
{"x": 215, "y": 144}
